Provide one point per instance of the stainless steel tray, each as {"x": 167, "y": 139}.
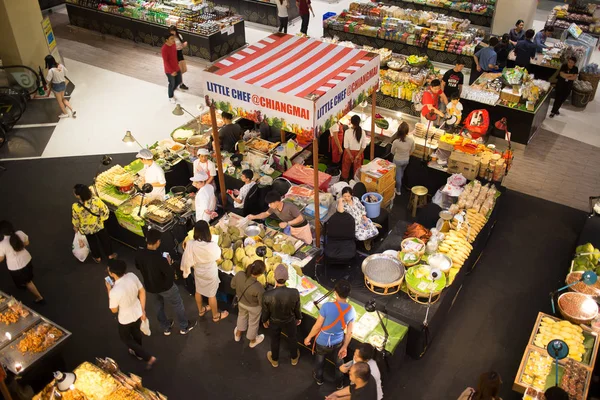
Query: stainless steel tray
{"x": 8, "y": 332}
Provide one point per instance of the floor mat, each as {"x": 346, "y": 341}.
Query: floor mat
{"x": 26, "y": 142}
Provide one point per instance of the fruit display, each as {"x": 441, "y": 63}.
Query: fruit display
{"x": 587, "y": 258}
{"x": 419, "y": 279}
{"x": 551, "y": 329}
{"x": 536, "y": 371}
{"x": 417, "y": 60}
{"x": 381, "y": 122}
{"x": 39, "y": 338}
{"x": 457, "y": 247}
{"x": 480, "y": 7}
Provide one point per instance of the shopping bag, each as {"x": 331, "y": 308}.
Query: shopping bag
{"x": 80, "y": 247}
{"x": 145, "y": 327}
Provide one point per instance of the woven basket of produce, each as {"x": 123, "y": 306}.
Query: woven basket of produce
{"x": 577, "y": 308}
{"x": 413, "y": 245}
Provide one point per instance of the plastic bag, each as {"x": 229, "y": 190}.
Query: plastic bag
{"x": 145, "y": 327}
{"x": 81, "y": 248}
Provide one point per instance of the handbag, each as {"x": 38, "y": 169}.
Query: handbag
{"x": 236, "y": 299}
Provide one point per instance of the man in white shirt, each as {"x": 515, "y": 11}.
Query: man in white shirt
{"x": 153, "y": 174}
{"x": 206, "y": 201}
{"x": 365, "y": 353}
{"x": 202, "y": 163}
{"x": 238, "y": 197}
{"x": 127, "y": 299}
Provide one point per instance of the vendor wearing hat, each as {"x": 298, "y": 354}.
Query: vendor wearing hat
{"x": 281, "y": 313}
{"x": 152, "y": 174}
{"x": 288, "y": 213}
{"x": 202, "y": 163}
{"x": 206, "y": 201}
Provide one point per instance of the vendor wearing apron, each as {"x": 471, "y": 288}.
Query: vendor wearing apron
{"x": 334, "y": 319}
{"x": 289, "y": 214}
{"x": 202, "y": 163}
{"x": 152, "y": 174}
{"x": 336, "y": 138}
{"x": 206, "y": 201}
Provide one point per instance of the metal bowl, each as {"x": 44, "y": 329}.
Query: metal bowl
{"x": 252, "y": 230}
{"x": 577, "y": 307}
{"x": 441, "y": 261}
{"x": 382, "y": 268}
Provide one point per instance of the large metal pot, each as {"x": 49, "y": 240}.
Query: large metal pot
{"x": 197, "y": 142}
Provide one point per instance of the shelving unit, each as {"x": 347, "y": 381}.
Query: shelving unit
{"x": 481, "y": 19}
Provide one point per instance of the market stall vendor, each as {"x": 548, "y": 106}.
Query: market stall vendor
{"x": 525, "y": 50}
{"x": 152, "y": 174}
{"x": 289, "y": 214}
{"x": 202, "y": 163}
{"x": 541, "y": 36}
{"x": 206, "y": 201}
{"x": 270, "y": 133}
{"x": 229, "y": 134}
{"x": 485, "y": 60}
{"x": 568, "y": 74}
{"x": 336, "y": 138}
{"x": 355, "y": 142}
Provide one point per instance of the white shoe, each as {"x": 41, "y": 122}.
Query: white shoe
{"x": 235, "y": 335}
{"x": 259, "y": 339}
{"x": 63, "y": 116}
{"x": 172, "y": 100}
{"x": 398, "y": 192}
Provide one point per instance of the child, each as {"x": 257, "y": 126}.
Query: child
{"x": 454, "y": 109}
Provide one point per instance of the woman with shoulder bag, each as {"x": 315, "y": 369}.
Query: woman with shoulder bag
{"x": 18, "y": 259}
{"x": 249, "y": 292}
{"x": 487, "y": 388}
{"x": 88, "y": 216}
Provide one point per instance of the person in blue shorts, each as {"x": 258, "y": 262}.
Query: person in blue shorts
{"x": 332, "y": 332}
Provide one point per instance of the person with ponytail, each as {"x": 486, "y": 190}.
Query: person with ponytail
{"x": 18, "y": 259}
{"x": 249, "y": 293}
{"x": 355, "y": 141}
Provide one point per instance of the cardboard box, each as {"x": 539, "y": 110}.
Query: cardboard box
{"x": 378, "y": 175}
{"x": 465, "y": 164}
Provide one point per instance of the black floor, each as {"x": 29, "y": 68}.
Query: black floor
{"x": 527, "y": 256}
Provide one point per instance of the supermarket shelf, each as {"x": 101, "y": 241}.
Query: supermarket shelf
{"x": 399, "y": 47}
{"x": 476, "y": 19}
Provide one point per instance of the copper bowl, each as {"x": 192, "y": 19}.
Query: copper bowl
{"x": 577, "y": 308}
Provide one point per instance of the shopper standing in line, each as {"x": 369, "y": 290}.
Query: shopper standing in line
{"x": 171, "y": 65}
{"x": 180, "y": 44}
{"x": 362, "y": 385}
{"x": 88, "y": 216}
{"x": 127, "y": 298}
{"x": 58, "y": 82}
{"x": 525, "y": 50}
{"x": 152, "y": 174}
{"x": 365, "y": 353}
{"x": 281, "y": 313}
{"x": 202, "y": 254}
{"x": 159, "y": 282}
{"x": 304, "y": 7}
{"x": 485, "y": 60}
{"x": 282, "y": 13}
{"x": 402, "y": 148}
{"x": 453, "y": 79}
{"x": 333, "y": 332}
{"x": 18, "y": 259}
{"x": 249, "y": 292}
{"x": 517, "y": 33}
{"x": 488, "y": 387}
{"x": 541, "y": 36}
{"x": 355, "y": 142}
{"x": 564, "y": 83}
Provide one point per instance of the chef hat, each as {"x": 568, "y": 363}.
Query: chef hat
{"x": 203, "y": 152}
{"x": 145, "y": 154}
{"x": 199, "y": 177}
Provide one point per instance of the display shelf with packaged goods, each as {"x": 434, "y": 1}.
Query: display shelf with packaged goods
{"x": 212, "y": 32}
{"x": 561, "y": 17}
{"x": 480, "y": 13}
{"x": 260, "y": 12}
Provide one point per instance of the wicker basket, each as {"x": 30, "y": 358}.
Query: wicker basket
{"x": 593, "y": 79}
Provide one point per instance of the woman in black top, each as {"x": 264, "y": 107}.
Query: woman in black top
{"x": 180, "y": 44}
{"x": 567, "y": 74}
{"x": 517, "y": 33}
{"x": 502, "y": 49}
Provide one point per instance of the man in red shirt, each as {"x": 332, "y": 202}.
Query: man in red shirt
{"x": 169, "y": 56}
{"x": 303, "y": 8}
{"x": 430, "y": 101}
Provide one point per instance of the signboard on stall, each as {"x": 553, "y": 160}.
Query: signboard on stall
{"x": 49, "y": 34}
{"x": 575, "y": 30}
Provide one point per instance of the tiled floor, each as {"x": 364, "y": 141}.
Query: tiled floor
{"x": 560, "y": 164}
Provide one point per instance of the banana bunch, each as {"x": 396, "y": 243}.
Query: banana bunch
{"x": 473, "y": 225}
{"x": 571, "y": 334}
{"x": 456, "y": 246}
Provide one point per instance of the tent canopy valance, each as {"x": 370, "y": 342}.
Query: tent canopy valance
{"x": 293, "y": 83}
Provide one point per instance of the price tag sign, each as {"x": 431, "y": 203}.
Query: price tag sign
{"x": 229, "y": 30}
{"x": 575, "y": 30}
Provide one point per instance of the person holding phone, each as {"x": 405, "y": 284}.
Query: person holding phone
{"x": 158, "y": 280}
{"x": 127, "y": 299}
{"x": 238, "y": 197}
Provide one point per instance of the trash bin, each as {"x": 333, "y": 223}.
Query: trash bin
{"x": 593, "y": 79}
{"x": 373, "y": 209}
{"x": 580, "y": 99}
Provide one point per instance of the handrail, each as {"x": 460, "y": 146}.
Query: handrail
{"x": 37, "y": 77}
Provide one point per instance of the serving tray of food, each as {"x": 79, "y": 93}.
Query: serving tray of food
{"x": 14, "y": 319}
{"x": 261, "y": 145}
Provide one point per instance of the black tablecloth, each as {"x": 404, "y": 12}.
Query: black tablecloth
{"x": 590, "y": 232}
{"x": 418, "y": 173}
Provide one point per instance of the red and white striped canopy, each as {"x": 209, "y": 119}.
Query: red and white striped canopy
{"x": 293, "y": 65}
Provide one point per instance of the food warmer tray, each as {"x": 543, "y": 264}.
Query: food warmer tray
{"x": 257, "y": 142}
{"x": 167, "y": 226}
{"x": 13, "y": 330}
{"x": 3, "y": 299}
{"x": 10, "y": 355}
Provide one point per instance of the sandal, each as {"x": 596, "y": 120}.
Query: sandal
{"x": 205, "y": 309}
{"x": 220, "y": 317}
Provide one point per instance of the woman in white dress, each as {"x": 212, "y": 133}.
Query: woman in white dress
{"x": 365, "y": 230}
{"x": 202, "y": 254}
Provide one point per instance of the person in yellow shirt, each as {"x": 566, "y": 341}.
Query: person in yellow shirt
{"x": 88, "y": 216}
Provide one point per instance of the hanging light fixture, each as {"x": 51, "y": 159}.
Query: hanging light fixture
{"x": 129, "y": 139}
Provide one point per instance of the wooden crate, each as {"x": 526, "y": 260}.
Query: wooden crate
{"x": 388, "y": 195}
{"x": 380, "y": 179}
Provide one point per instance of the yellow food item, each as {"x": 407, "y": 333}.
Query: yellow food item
{"x": 564, "y": 330}
{"x": 537, "y": 368}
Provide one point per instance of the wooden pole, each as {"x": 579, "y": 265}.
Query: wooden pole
{"x": 373, "y": 99}
{"x": 217, "y": 148}
{"x": 316, "y": 190}
{"x": 282, "y": 133}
